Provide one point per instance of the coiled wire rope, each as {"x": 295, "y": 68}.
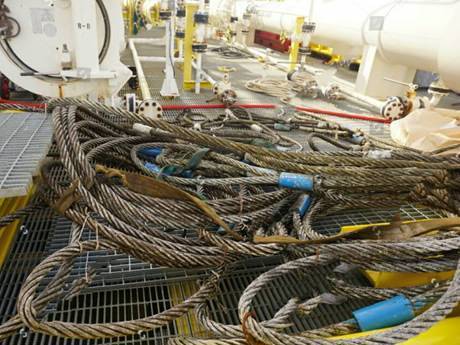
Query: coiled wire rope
{"x": 101, "y": 178}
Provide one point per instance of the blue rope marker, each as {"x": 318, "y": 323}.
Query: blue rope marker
{"x": 303, "y": 204}
{"x": 152, "y": 167}
{"x": 296, "y": 181}
{"x": 388, "y": 313}
{"x": 150, "y": 152}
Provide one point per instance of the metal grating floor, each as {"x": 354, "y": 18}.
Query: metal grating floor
{"x": 124, "y": 302}
{"x": 24, "y": 140}
{"x": 329, "y": 225}
{"x": 126, "y": 288}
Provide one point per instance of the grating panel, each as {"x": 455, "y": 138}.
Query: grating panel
{"x": 331, "y": 224}
{"x": 112, "y": 297}
{"x": 107, "y": 307}
{"x": 277, "y": 294}
{"x": 27, "y": 251}
{"x": 24, "y": 141}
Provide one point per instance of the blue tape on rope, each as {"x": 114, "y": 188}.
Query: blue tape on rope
{"x": 388, "y": 313}
{"x": 296, "y": 181}
{"x": 152, "y": 167}
{"x": 151, "y": 152}
{"x": 303, "y": 204}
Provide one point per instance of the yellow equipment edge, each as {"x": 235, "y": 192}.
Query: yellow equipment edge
{"x": 7, "y": 206}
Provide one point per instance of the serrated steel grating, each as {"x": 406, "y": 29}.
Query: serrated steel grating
{"x": 24, "y": 140}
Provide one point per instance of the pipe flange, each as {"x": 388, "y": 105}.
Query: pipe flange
{"x": 304, "y": 50}
{"x": 309, "y": 27}
{"x": 395, "y": 108}
{"x": 180, "y": 34}
{"x": 201, "y": 18}
{"x": 228, "y": 97}
{"x": 311, "y": 89}
{"x": 180, "y": 13}
{"x": 165, "y": 15}
{"x": 333, "y": 92}
{"x": 150, "y": 108}
{"x": 199, "y": 47}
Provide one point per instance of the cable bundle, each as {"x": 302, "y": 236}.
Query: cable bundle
{"x": 132, "y": 180}
{"x": 283, "y": 89}
{"x": 231, "y": 52}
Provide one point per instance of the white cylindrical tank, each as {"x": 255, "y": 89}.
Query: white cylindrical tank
{"x": 422, "y": 34}
{"x": 34, "y": 58}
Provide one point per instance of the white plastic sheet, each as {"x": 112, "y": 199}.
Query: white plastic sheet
{"x": 429, "y": 130}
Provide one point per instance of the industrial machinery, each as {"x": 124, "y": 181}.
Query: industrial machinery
{"x": 397, "y": 107}
{"x": 393, "y": 38}
{"x": 63, "y": 48}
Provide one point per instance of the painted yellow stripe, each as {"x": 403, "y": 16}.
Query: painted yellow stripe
{"x": 443, "y": 333}
{"x": 188, "y": 324}
{"x": 7, "y": 206}
{"x": 393, "y": 280}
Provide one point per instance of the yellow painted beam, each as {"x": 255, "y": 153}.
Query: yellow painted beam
{"x": 130, "y": 13}
{"x": 395, "y": 280}
{"x": 8, "y": 206}
{"x": 295, "y": 45}
{"x": 442, "y": 333}
{"x": 190, "y": 10}
{"x": 186, "y": 325}
{"x": 190, "y": 85}
{"x": 189, "y": 82}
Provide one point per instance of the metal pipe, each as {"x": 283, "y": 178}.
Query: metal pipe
{"x": 346, "y": 87}
{"x": 216, "y": 106}
{"x": 198, "y": 72}
{"x": 310, "y": 12}
{"x": 344, "y": 115}
{"x": 157, "y": 59}
{"x": 143, "y": 84}
{"x": 181, "y": 50}
{"x": 24, "y": 103}
{"x": 151, "y": 41}
{"x": 258, "y": 55}
{"x": 203, "y": 74}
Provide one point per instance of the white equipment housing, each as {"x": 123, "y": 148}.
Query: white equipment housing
{"x": 394, "y": 38}
{"x": 66, "y": 48}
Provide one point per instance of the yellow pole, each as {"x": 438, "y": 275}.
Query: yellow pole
{"x": 130, "y": 11}
{"x": 295, "y": 45}
{"x": 190, "y": 10}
